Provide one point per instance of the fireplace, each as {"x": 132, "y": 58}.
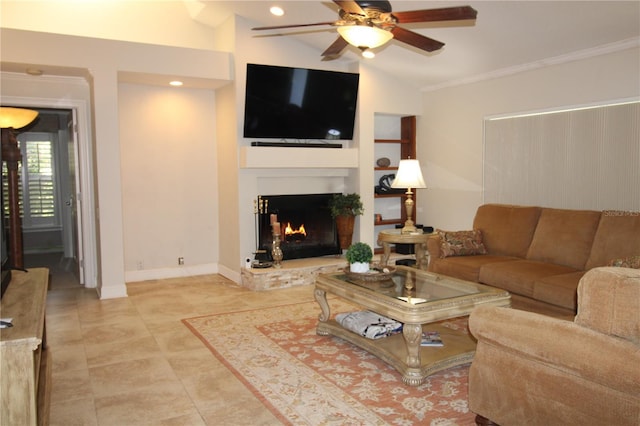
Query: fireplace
{"x": 306, "y": 226}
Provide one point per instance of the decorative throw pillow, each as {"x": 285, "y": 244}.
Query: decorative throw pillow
{"x": 626, "y": 262}
{"x": 461, "y": 243}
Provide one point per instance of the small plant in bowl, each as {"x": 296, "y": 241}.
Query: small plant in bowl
{"x": 359, "y": 256}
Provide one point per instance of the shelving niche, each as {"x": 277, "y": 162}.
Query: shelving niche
{"x": 395, "y": 138}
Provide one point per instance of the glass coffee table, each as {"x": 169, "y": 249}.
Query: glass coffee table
{"x": 418, "y": 299}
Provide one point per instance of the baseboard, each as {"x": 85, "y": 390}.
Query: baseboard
{"x": 164, "y": 273}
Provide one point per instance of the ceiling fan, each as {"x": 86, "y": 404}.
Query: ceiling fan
{"x": 369, "y": 24}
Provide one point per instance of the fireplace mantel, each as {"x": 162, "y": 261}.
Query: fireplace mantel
{"x": 293, "y": 158}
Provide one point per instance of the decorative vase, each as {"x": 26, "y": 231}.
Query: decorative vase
{"x": 276, "y": 252}
{"x": 359, "y": 267}
{"x": 345, "y": 225}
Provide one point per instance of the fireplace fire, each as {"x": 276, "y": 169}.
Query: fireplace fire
{"x": 305, "y": 224}
{"x": 294, "y": 234}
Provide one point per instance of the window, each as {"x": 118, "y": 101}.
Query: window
{"x": 38, "y": 184}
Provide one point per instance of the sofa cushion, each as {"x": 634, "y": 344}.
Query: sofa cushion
{"x": 609, "y": 302}
{"x": 564, "y": 237}
{"x": 461, "y": 243}
{"x": 506, "y": 230}
{"x": 560, "y": 290}
{"x": 519, "y": 276}
{"x": 464, "y": 267}
{"x": 618, "y": 236}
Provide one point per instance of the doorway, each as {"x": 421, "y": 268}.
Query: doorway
{"x": 50, "y": 220}
{"x": 81, "y": 161}
{"x": 71, "y": 94}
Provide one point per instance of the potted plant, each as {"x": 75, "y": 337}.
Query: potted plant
{"x": 344, "y": 209}
{"x": 359, "y": 256}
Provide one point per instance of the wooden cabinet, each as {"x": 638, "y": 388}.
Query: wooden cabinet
{"x": 25, "y": 363}
{"x": 398, "y": 143}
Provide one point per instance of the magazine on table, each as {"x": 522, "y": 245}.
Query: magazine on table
{"x": 431, "y": 338}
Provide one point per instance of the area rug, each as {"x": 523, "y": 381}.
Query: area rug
{"x": 306, "y": 379}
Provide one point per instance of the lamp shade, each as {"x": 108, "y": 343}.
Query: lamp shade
{"x": 364, "y": 36}
{"x": 16, "y": 118}
{"x": 409, "y": 175}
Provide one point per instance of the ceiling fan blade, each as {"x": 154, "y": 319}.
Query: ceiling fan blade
{"x": 433, "y": 15}
{"x": 416, "y": 40}
{"x": 277, "y": 27}
{"x": 350, "y": 6}
{"x": 336, "y": 47}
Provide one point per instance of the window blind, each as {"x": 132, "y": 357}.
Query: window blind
{"x": 586, "y": 158}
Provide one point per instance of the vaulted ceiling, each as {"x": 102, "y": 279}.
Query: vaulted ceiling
{"x": 508, "y": 36}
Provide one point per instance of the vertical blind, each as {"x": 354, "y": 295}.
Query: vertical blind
{"x": 585, "y": 158}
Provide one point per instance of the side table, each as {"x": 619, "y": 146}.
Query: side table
{"x": 395, "y": 236}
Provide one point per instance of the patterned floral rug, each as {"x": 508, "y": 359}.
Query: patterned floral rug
{"x": 306, "y": 379}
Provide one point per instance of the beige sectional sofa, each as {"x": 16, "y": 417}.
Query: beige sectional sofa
{"x": 538, "y": 254}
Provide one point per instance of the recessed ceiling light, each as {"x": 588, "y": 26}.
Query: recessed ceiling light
{"x": 276, "y": 11}
{"x": 176, "y": 83}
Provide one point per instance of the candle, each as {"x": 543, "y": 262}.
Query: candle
{"x": 276, "y": 228}
{"x": 273, "y": 218}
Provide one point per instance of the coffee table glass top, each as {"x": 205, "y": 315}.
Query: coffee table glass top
{"x": 415, "y": 287}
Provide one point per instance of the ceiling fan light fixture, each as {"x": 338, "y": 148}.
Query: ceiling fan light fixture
{"x": 366, "y": 53}
{"x": 365, "y": 36}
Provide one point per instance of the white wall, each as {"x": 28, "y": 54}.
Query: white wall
{"x": 111, "y": 59}
{"x": 238, "y": 211}
{"x": 378, "y": 93}
{"x": 170, "y": 190}
{"x": 165, "y": 23}
{"x": 451, "y": 130}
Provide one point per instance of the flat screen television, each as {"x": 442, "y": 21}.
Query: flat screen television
{"x": 300, "y": 104}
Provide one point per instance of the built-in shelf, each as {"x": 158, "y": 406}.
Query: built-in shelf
{"x": 254, "y": 157}
{"x": 394, "y": 148}
{"x": 388, "y": 222}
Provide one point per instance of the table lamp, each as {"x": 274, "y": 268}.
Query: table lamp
{"x": 10, "y": 120}
{"x": 409, "y": 176}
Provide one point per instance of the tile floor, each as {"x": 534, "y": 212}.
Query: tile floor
{"x": 131, "y": 361}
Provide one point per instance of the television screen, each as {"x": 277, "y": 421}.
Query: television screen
{"x": 297, "y": 103}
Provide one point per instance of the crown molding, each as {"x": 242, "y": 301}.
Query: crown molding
{"x": 554, "y": 60}
{"x": 54, "y": 79}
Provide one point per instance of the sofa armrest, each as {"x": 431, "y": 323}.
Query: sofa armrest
{"x": 569, "y": 348}
{"x": 609, "y": 302}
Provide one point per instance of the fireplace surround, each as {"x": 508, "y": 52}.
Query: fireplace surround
{"x": 306, "y": 226}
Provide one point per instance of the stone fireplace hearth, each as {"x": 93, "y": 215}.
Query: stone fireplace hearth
{"x": 299, "y": 272}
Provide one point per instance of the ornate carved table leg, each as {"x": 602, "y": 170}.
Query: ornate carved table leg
{"x": 386, "y": 247}
{"x": 412, "y": 335}
{"x": 321, "y": 298}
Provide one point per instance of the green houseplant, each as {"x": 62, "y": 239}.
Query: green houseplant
{"x": 359, "y": 256}
{"x": 344, "y": 209}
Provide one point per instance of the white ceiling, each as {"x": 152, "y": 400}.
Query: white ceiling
{"x": 507, "y": 36}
